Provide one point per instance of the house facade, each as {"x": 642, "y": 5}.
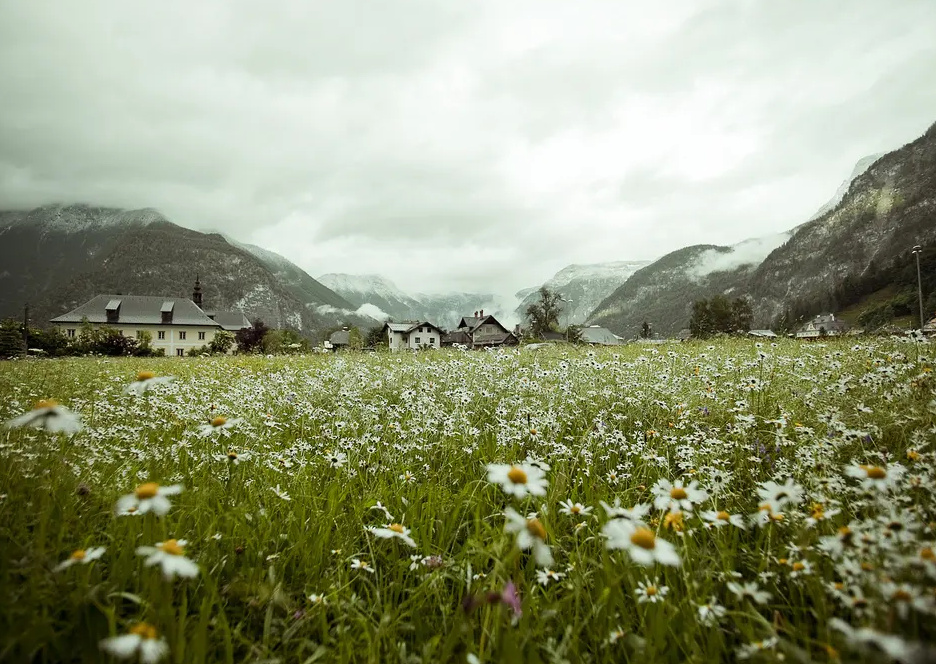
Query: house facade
{"x": 175, "y": 324}
{"x": 480, "y": 331}
{"x": 412, "y": 336}
{"x": 822, "y": 325}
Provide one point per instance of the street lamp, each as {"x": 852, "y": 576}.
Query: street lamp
{"x": 916, "y": 252}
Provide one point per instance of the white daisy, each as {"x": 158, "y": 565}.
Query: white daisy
{"x": 711, "y": 613}
{"x": 521, "y": 480}
{"x": 146, "y": 380}
{"x": 393, "y": 531}
{"x": 219, "y": 424}
{"x": 776, "y": 496}
{"x": 82, "y": 556}
{"x": 650, "y": 592}
{"x": 148, "y": 497}
{"x": 876, "y": 478}
{"x": 142, "y": 640}
{"x": 49, "y": 416}
{"x": 641, "y": 544}
{"x": 362, "y": 565}
{"x": 723, "y": 518}
{"x": 749, "y": 590}
{"x": 170, "y": 556}
{"x": 637, "y": 513}
{"x": 530, "y": 535}
{"x": 675, "y": 497}
{"x": 574, "y": 509}
{"x": 544, "y": 576}
{"x": 280, "y": 493}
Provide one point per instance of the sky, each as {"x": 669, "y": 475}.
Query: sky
{"x": 452, "y": 145}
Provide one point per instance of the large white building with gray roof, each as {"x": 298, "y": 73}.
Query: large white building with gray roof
{"x": 175, "y": 324}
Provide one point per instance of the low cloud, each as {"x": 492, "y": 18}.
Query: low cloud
{"x": 749, "y": 252}
{"x": 373, "y": 311}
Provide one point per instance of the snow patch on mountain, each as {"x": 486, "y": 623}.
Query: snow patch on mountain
{"x": 863, "y": 165}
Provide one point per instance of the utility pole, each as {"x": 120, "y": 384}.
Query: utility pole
{"x": 916, "y": 251}
{"x": 26, "y": 329}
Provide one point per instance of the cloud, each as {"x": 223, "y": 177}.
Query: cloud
{"x": 478, "y": 147}
{"x": 748, "y": 252}
{"x": 372, "y": 310}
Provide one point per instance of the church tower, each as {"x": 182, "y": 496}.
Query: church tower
{"x": 197, "y": 294}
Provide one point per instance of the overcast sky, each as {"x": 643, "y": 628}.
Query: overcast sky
{"x": 452, "y": 144}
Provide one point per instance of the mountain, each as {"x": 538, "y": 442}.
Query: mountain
{"x": 662, "y": 292}
{"x": 306, "y": 289}
{"x": 863, "y": 164}
{"x": 380, "y": 297}
{"x": 57, "y": 256}
{"x": 886, "y": 208}
{"x": 583, "y": 287}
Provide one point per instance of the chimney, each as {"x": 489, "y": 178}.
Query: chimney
{"x": 482, "y": 313}
{"x": 476, "y": 314}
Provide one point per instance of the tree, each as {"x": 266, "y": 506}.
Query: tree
{"x": 574, "y": 334}
{"x": 544, "y": 313}
{"x": 355, "y": 339}
{"x": 223, "y": 342}
{"x": 250, "y": 339}
{"x": 276, "y": 342}
{"x": 720, "y": 316}
{"x": 376, "y": 338}
{"x": 646, "y": 331}
{"x": 11, "y": 338}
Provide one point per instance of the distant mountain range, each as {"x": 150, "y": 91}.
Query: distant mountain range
{"x": 885, "y": 207}
{"x": 58, "y": 256}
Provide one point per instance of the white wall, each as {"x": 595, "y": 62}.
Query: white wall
{"x": 171, "y": 343}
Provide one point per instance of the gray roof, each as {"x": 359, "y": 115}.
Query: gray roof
{"x": 762, "y": 333}
{"x": 231, "y": 321}
{"x": 138, "y": 310}
{"x": 340, "y": 338}
{"x": 599, "y": 335}
{"x": 409, "y": 327}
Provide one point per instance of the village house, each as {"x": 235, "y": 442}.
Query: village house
{"x": 480, "y": 331}
{"x": 339, "y": 340}
{"x": 600, "y": 336}
{"x": 412, "y": 335}
{"x": 930, "y": 327}
{"x": 822, "y": 325}
{"x": 175, "y": 324}
{"x": 762, "y": 334}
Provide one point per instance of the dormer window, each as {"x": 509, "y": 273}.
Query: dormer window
{"x": 166, "y": 312}
{"x": 113, "y": 311}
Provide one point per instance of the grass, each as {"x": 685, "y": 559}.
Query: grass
{"x": 324, "y": 439}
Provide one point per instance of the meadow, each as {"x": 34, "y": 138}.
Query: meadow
{"x": 677, "y": 503}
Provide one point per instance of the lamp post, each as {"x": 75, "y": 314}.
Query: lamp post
{"x": 916, "y": 252}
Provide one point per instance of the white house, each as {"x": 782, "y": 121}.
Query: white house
{"x": 412, "y": 336}
{"x": 822, "y": 325}
{"x": 175, "y": 324}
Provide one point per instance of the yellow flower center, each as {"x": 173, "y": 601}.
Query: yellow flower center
{"x": 535, "y": 528}
{"x": 927, "y": 554}
{"x": 643, "y": 538}
{"x": 913, "y": 455}
{"x": 218, "y": 421}
{"x": 651, "y": 591}
{"x": 144, "y": 630}
{"x": 533, "y": 431}
{"x": 901, "y": 596}
{"x": 798, "y": 566}
{"x": 78, "y": 555}
{"x": 875, "y": 472}
{"x": 396, "y": 527}
{"x": 723, "y": 516}
{"x": 45, "y": 403}
{"x": 782, "y": 561}
{"x": 839, "y": 585}
{"x": 776, "y": 517}
{"x": 678, "y": 493}
{"x": 232, "y": 456}
{"x": 674, "y": 520}
{"x": 517, "y": 475}
{"x": 172, "y": 547}
{"x": 145, "y": 375}
{"x": 147, "y": 490}
{"x": 845, "y": 533}
{"x": 867, "y": 567}
{"x": 575, "y": 509}
{"x": 765, "y": 507}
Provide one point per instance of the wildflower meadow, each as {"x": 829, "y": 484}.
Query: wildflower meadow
{"x": 673, "y": 503}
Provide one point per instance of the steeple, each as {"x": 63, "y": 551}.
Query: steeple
{"x": 196, "y": 293}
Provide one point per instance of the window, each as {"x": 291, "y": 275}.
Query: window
{"x": 139, "y": 334}
{"x": 201, "y": 336}
{"x": 432, "y": 341}
{"x": 180, "y": 352}
{"x": 161, "y": 334}
{"x": 71, "y": 332}
{"x": 181, "y": 336}
{"x": 418, "y": 341}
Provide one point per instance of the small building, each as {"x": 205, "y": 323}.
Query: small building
{"x": 599, "y": 336}
{"x": 412, "y": 335}
{"x": 232, "y": 321}
{"x": 480, "y": 331}
{"x": 821, "y": 326}
{"x": 762, "y": 334}
{"x": 684, "y": 334}
{"x": 930, "y": 328}
{"x": 339, "y": 340}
